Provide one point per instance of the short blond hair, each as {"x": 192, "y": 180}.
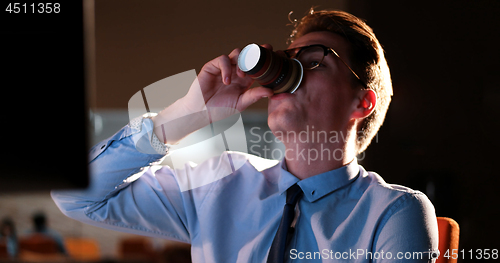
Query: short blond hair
{"x": 367, "y": 58}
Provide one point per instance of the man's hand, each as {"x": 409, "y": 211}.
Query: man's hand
{"x": 223, "y": 84}
{"x": 220, "y": 86}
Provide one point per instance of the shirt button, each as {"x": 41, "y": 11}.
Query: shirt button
{"x": 313, "y": 192}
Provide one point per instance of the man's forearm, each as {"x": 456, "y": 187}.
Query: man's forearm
{"x": 123, "y": 186}
{"x": 175, "y": 122}
{"x": 112, "y": 161}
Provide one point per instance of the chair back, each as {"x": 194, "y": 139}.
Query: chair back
{"x": 82, "y": 249}
{"x": 3, "y": 250}
{"x": 137, "y": 248}
{"x": 449, "y": 233}
{"x": 38, "y": 243}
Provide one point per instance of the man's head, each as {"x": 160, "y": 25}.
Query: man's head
{"x": 39, "y": 221}
{"x": 357, "y": 46}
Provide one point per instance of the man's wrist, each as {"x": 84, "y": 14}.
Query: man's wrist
{"x": 145, "y": 125}
{"x": 176, "y": 122}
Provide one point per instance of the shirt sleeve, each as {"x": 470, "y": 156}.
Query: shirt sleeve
{"x": 408, "y": 232}
{"x": 128, "y": 194}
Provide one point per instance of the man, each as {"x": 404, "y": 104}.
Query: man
{"x": 9, "y": 246}
{"x": 40, "y": 227}
{"x": 335, "y": 210}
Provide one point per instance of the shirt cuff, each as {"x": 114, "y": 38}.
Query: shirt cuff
{"x": 145, "y": 139}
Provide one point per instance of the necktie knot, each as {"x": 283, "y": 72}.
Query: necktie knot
{"x": 293, "y": 194}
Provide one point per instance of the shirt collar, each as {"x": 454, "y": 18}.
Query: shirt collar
{"x": 317, "y": 186}
{"x": 286, "y": 179}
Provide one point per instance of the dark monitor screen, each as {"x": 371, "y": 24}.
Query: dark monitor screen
{"x": 44, "y": 109}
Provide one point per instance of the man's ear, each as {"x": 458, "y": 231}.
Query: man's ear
{"x": 364, "y": 104}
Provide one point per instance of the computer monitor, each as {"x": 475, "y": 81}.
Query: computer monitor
{"x": 45, "y": 81}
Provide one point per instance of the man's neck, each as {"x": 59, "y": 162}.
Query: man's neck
{"x": 304, "y": 160}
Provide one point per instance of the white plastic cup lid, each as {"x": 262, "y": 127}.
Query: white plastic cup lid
{"x": 249, "y": 57}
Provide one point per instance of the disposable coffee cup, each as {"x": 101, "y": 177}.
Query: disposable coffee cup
{"x": 271, "y": 70}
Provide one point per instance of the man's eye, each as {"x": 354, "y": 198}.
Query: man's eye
{"x": 314, "y": 64}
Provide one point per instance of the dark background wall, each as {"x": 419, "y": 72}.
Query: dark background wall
{"x": 140, "y": 42}
{"x": 441, "y": 128}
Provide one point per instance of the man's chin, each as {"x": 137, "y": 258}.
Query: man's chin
{"x": 280, "y": 120}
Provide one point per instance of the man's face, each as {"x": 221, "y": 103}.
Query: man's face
{"x": 325, "y": 96}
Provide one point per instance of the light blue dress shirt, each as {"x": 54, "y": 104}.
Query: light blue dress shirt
{"x": 347, "y": 215}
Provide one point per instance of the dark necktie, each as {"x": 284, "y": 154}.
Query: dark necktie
{"x": 277, "y": 251}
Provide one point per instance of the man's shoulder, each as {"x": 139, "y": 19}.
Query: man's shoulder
{"x": 260, "y": 164}
{"x": 383, "y": 192}
{"x": 406, "y": 207}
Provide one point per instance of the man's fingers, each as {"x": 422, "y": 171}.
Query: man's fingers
{"x": 267, "y": 46}
{"x": 233, "y": 56}
{"x": 240, "y": 73}
{"x": 251, "y": 96}
{"x": 221, "y": 65}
